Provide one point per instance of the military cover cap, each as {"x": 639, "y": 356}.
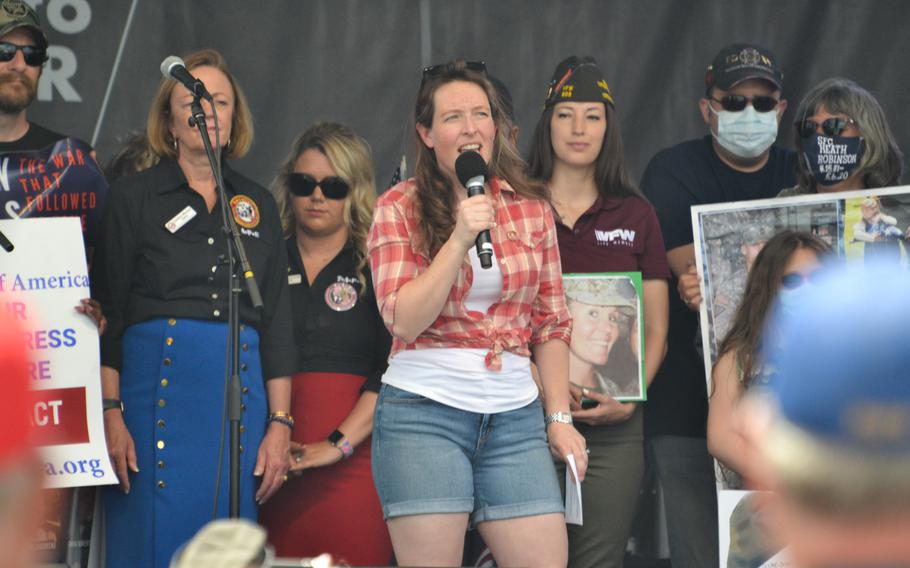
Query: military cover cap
{"x": 580, "y": 80}
{"x": 601, "y": 291}
{"x": 741, "y": 61}
{"x": 842, "y": 364}
{"x": 17, "y": 14}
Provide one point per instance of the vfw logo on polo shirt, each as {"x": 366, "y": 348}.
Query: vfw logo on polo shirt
{"x": 621, "y": 237}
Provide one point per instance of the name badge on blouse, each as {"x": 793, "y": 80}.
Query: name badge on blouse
{"x": 180, "y": 219}
{"x": 294, "y": 279}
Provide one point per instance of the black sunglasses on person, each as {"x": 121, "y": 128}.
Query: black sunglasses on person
{"x": 736, "y": 103}
{"x": 303, "y": 185}
{"x": 34, "y": 56}
{"x": 449, "y": 67}
{"x": 830, "y": 126}
{"x": 793, "y": 280}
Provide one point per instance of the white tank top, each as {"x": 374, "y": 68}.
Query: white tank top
{"x": 459, "y": 377}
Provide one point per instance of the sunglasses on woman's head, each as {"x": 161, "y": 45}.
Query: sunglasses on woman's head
{"x": 303, "y": 185}
{"x": 34, "y": 56}
{"x": 736, "y": 103}
{"x": 447, "y": 68}
{"x": 830, "y": 126}
{"x": 793, "y": 280}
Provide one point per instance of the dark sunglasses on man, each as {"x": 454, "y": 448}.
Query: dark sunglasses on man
{"x": 830, "y": 126}
{"x": 303, "y": 185}
{"x": 34, "y": 56}
{"x": 736, "y": 103}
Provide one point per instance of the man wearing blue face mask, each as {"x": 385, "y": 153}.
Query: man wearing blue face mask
{"x": 737, "y": 160}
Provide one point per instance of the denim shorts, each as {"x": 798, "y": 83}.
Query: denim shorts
{"x": 432, "y": 458}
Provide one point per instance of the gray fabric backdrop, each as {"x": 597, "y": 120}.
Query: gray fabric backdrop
{"x": 359, "y": 61}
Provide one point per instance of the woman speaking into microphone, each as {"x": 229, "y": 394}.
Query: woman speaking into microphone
{"x": 162, "y": 278}
{"x": 460, "y": 431}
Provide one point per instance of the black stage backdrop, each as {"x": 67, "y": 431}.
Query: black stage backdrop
{"x": 359, "y": 61}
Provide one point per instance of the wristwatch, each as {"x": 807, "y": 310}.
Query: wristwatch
{"x": 111, "y": 404}
{"x": 338, "y": 440}
{"x": 561, "y": 417}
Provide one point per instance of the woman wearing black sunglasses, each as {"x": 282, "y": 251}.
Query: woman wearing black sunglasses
{"x": 782, "y": 273}
{"x": 845, "y": 141}
{"x": 325, "y": 192}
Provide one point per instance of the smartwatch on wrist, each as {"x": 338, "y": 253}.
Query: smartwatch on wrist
{"x": 338, "y": 440}
{"x": 111, "y": 404}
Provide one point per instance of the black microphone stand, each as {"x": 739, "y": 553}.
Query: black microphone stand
{"x": 236, "y": 256}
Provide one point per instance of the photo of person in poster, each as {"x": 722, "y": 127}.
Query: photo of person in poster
{"x": 604, "y": 353}
{"x": 876, "y": 229}
{"x": 731, "y": 240}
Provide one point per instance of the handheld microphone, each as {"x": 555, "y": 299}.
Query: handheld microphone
{"x": 174, "y": 68}
{"x": 472, "y": 173}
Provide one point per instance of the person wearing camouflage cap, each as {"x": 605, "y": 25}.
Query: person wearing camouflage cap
{"x": 600, "y": 353}
{"x": 830, "y": 434}
{"x": 23, "y": 52}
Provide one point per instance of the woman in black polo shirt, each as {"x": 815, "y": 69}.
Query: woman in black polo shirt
{"x": 326, "y": 192}
{"x": 161, "y": 277}
{"x": 603, "y": 225}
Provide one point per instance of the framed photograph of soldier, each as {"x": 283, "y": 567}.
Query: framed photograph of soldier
{"x": 742, "y": 535}
{"x": 606, "y": 349}
{"x": 858, "y": 225}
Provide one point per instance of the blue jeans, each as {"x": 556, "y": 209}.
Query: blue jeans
{"x": 685, "y": 472}
{"x": 432, "y": 458}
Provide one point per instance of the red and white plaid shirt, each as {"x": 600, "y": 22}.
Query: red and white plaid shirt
{"x": 532, "y": 306}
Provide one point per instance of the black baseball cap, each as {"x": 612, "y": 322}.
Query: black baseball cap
{"x": 578, "y": 79}
{"x": 741, "y": 61}
{"x": 18, "y": 14}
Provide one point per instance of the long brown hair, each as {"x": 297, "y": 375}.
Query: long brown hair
{"x": 610, "y": 172}
{"x": 434, "y": 190}
{"x": 762, "y": 286}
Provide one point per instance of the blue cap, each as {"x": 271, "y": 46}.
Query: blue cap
{"x": 842, "y": 368}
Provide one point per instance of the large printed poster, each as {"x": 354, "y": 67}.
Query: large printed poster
{"x": 858, "y": 225}
{"x": 42, "y": 279}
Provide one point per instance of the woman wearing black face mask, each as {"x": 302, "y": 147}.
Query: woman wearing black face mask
{"x": 844, "y": 140}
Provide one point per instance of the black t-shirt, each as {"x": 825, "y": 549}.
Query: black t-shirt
{"x": 163, "y": 254}
{"x": 37, "y": 138}
{"x": 676, "y": 179}
{"x": 337, "y": 326}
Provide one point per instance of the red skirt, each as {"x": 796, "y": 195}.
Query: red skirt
{"x": 331, "y": 509}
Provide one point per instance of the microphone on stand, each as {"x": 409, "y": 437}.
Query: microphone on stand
{"x": 174, "y": 68}
{"x": 472, "y": 173}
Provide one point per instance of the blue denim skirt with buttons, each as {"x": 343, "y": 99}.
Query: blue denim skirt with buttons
{"x": 432, "y": 458}
{"x": 172, "y": 388}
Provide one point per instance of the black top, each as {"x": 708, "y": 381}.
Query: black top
{"x": 37, "y": 138}
{"x": 676, "y": 179}
{"x": 149, "y": 265}
{"x": 337, "y": 326}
